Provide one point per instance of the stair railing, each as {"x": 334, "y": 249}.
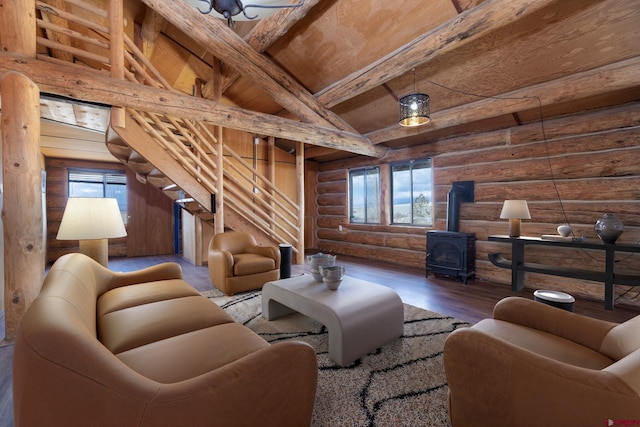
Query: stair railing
{"x": 192, "y": 144}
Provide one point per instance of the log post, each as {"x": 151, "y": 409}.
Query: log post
{"x": 116, "y": 44}
{"x": 22, "y": 218}
{"x": 271, "y": 175}
{"x": 22, "y": 215}
{"x": 217, "y": 96}
{"x": 300, "y": 188}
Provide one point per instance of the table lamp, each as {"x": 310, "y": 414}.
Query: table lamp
{"x": 515, "y": 210}
{"x": 92, "y": 221}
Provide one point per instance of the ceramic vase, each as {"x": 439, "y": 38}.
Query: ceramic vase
{"x": 564, "y": 230}
{"x": 318, "y": 260}
{"x": 332, "y": 276}
{"x": 609, "y": 228}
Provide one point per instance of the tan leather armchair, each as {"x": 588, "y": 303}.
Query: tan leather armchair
{"x": 536, "y": 365}
{"x": 237, "y": 263}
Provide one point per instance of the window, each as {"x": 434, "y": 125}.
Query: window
{"x": 411, "y": 193}
{"x": 364, "y": 196}
{"x": 90, "y": 183}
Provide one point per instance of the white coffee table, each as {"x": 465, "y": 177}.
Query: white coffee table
{"x": 360, "y": 316}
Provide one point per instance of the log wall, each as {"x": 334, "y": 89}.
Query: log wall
{"x": 572, "y": 169}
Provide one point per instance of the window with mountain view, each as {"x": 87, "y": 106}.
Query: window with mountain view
{"x": 412, "y": 193}
{"x": 364, "y": 196}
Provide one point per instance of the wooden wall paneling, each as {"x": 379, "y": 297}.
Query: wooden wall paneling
{"x": 612, "y": 118}
{"x": 589, "y": 159}
{"x": 150, "y": 219}
{"x": 582, "y": 165}
{"x": 408, "y": 258}
{"x": 566, "y": 146}
{"x": 578, "y": 213}
{"x": 332, "y": 210}
{"x": 584, "y": 189}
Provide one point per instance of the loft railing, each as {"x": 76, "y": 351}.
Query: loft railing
{"x": 83, "y": 37}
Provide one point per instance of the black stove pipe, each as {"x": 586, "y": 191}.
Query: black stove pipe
{"x": 453, "y": 209}
{"x": 461, "y": 191}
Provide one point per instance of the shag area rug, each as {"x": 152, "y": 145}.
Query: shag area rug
{"x": 401, "y": 384}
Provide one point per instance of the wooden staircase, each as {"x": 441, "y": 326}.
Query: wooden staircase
{"x": 190, "y": 180}
{"x": 177, "y": 155}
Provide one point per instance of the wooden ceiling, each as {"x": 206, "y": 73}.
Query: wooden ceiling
{"x": 344, "y": 63}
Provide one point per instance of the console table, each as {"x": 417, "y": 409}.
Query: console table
{"x": 518, "y": 266}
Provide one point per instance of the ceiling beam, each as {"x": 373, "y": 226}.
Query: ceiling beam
{"x": 613, "y": 77}
{"x": 266, "y": 32}
{"x": 86, "y": 84}
{"x": 152, "y": 25}
{"x": 468, "y": 27}
{"x": 230, "y": 48}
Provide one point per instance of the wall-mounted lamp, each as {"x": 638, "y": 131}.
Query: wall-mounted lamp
{"x": 92, "y": 221}
{"x": 414, "y": 108}
{"x": 515, "y": 210}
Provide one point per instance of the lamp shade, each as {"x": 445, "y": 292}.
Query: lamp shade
{"x": 515, "y": 209}
{"x": 414, "y": 109}
{"x": 90, "y": 219}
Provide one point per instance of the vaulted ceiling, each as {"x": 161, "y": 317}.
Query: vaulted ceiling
{"x": 344, "y": 63}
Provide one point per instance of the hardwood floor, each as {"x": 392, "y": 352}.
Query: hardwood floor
{"x": 471, "y": 302}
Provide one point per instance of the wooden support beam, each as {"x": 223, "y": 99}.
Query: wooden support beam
{"x": 219, "y": 134}
{"x": 263, "y": 35}
{"x": 152, "y": 26}
{"x": 143, "y": 144}
{"x": 22, "y": 214}
{"x": 470, "y": 26}
{"x": 258, "y": 69}
{"x": 300, "y": 183}
{"x": 116, "y": 49}
{"x": 22, "y": 206}
{"x": 89, "y": 85}
{"x": 18, "y": 15}
{"x": 619, "y": 76}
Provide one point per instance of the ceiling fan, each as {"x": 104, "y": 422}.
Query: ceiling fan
{"x": 230, "y": 8}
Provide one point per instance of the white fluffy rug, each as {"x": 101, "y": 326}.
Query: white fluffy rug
{"x": 401, "y": 384}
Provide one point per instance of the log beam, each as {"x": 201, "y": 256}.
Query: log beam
{"x": 619, "y": 76}
{"x": 89, "y": 85}
{"x": 263, "y": 35}
{"x": 470, "y": 26}
{"x": 258, "y": 69}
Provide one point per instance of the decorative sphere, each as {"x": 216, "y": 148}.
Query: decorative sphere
{"x": 609, "y": 228}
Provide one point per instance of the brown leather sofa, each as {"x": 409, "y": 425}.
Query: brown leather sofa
{"x": 99, "y": 348}
{"x": 536, "y": 365}
{"x": 237, "y": 263}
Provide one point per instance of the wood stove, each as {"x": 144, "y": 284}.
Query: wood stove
{"x": 451, "y": 253}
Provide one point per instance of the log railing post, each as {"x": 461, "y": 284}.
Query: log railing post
{"x": 217, "y": 96}
{"x": 116, "y": 45}
{"x": 300, "y": 188}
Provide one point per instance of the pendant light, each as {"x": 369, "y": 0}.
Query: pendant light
{"x": 230, "y": 9}
{"x": 414, "y": 108}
